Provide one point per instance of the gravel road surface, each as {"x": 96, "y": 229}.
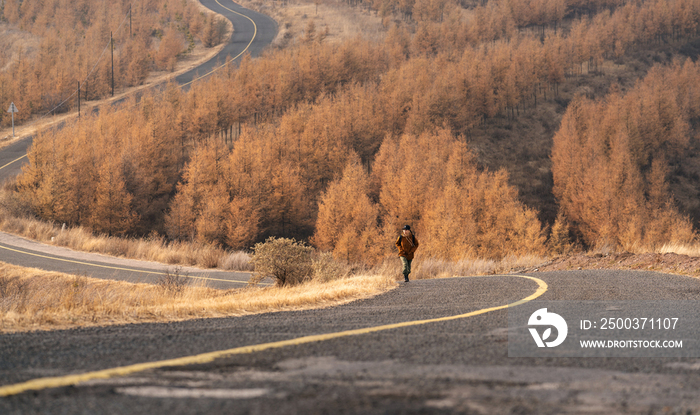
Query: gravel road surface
{"x": 445, "y": 367}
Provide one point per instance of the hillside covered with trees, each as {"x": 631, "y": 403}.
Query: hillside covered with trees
{"x": 73, "y": 47}
{"x": 339, "y": 144}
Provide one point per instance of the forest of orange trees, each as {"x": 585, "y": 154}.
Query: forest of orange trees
{"x": 73, "y": 35}
{"x": 340, "y": 144}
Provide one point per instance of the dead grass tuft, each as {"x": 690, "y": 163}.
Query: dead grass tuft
{"x": 173, "y": 282}
{"x": 680, "y": 249}
{"x": 326, "y": 268}
{"x": 239, "y": 261}
{"x": 32, "y": 299}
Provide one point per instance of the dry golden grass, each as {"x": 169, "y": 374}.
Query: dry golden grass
{"x": 436, "y": 268}
{"x": 32, "y": 299}
{"x": 691, "y": 250}
{"x": 150, "y": 249}
{"x": 680, "y": 249}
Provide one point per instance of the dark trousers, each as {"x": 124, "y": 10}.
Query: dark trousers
{"x": 406, "y": 265}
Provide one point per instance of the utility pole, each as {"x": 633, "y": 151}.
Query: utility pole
{"x": 130, "y": 21}
{"x": 111, "y": 46}
{"x": 78, "y": 99}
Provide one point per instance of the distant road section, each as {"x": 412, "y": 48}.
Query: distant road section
{"x": 19, "y": 251}
{"x": 12, "y": 158}
{"x": 252, "y": 33}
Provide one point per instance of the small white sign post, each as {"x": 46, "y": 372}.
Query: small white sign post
{"x": 12, "y": 111}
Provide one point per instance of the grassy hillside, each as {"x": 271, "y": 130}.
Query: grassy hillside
{"x": 447, "y": 121}
{"x": 523, "y": 144}
{"x": 50, "y": 47}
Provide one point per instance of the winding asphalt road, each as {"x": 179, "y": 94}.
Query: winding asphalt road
{"x": 431, "y": 346}
{"x": 350, "y": 359}
{"x": 252, "y": 33}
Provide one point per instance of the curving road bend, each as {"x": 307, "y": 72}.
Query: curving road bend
{"x": 451, "y": 365}
{"x": 252, "y": 33}
{"x": 19, "y": 251}
{"x": 373, "y": 356}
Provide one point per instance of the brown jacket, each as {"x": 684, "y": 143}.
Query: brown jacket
{"x": 407, "y": 246}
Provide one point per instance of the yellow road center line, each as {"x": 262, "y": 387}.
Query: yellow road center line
{"x": 255, "y": 34}
{"x": 111, "y": 267}
{"x": 13, "y": 161}
{"x": 60, "y": 381}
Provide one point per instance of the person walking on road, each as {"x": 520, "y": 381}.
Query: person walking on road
{"x": 407, "y": 244}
